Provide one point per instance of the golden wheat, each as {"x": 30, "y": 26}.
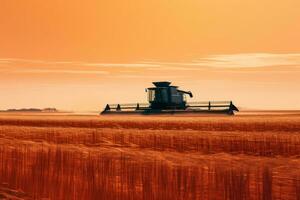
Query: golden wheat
{"x": 151, "y": 158}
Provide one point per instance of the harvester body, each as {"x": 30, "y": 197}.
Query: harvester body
{"x": 167, "y": 99}
{"x": 163, "y": 96}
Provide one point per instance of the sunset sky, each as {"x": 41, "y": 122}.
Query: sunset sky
{"x": 79, "y": 55}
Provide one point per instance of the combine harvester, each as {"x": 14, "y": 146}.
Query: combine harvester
{"x": 167, "y": 99}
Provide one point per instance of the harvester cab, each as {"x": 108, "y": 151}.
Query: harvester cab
{"x": 165, "y": 98}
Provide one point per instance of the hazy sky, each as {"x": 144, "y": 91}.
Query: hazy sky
{"x": 79, "y": 55}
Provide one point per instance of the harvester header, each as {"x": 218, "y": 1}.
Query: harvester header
{"x": 165, "y": 98}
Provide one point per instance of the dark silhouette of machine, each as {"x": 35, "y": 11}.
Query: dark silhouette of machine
{"x": 167, "y": 99}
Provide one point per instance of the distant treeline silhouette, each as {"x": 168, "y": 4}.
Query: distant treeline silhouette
{"x": 31, "y": 110}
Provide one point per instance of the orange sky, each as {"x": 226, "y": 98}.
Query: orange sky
{"x": 79, "y": 55}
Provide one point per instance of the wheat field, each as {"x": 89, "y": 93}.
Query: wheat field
{"x": 245, "y": 157}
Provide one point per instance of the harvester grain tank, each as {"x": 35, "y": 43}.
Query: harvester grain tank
{"x": 165, "y": 98}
